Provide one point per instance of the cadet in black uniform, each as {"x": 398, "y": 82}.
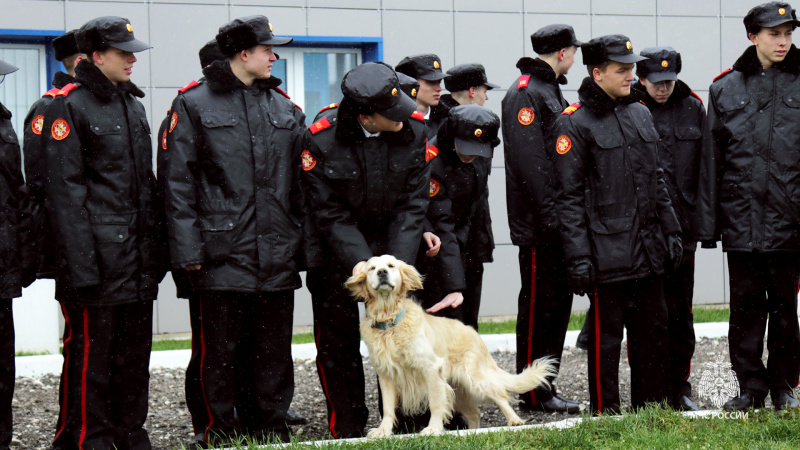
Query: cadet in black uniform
{"x": 100, "y": 194}
{"x": 618, "y": 227}
{"x": 748, "y": 194}
{"x": 680, "y": 119}
{"x": 530, "y": 109}
{"x": 427, "y": 70}
{"x": 66, "y": 51}
{"x": 467, "y": 84}
{"x": 232, "y": 204}
{"x": 366, "y": 180}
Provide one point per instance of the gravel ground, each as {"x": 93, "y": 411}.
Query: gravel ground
{"x": 35, "y": 399}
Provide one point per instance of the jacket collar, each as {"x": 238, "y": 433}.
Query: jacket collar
{"x": 748, "y": 63}
{"x": 595, "y": 98}
{"x": 681, "y": 92}
{"x": 539, "y": 69}
{"x": 93, "y": 79}
{"x": 61, "y": 79}
{"x": 221, "y": 79}
{"x": 4, "y": 112}
{"x": 442, "y": 110}
{"x": 350, "y": 132}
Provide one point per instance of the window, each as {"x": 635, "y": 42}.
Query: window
{"x": 20, "y": 89}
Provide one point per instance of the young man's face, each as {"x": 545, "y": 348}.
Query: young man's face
{"x": 659, "y": 91}
{"x": 568, "y": 59}
{"x": 615, "y": 80}
{"x": 480, "y": 96}
{"x": 116, "y": 64}
{"x": 428, "y": 94}
{"x": 772, "y": 44}
{"x": 377, "y": 122}
{"x": 258, "y": 61}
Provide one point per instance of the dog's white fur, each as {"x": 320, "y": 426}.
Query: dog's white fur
{"x": 427, "y": 361}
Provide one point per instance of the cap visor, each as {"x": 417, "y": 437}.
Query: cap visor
{"x": 627, "y": 59}
{"x": 402, "y": 110}
{"x": 472, "y": 148}
{"x": 275, "y": 40}
{"x": 777, "y": 22}
{"x": 433, "y": 76}
{"x": 577, "y": 43}
{"x": 6, "y": 68}
{"x": 655, "y": 77}
{"x": 490, "y": 86}
{"x": 132, "y": 46}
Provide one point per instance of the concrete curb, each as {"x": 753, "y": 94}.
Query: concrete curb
{"x": 35, "y": 366}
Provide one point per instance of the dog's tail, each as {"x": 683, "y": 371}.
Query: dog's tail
{"x": 532, "y": 377}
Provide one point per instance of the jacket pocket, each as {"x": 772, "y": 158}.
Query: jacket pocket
{"x": 687, "y": 160}
{"x": 648, "y": 134}
{"x": 285, "y": 121}
{"x": 216, "y": 119}
{"x": 733, "y": 102}
{"x": 105, "y": 127}
{"x": 610, "y": 232}
{"x": 218, "y": 233}
{"x": 113, "y": 252}
{"x": 400, "y": 161}
{"x": 341, "y": 169}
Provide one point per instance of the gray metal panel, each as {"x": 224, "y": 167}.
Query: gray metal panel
{"x": 493, "y": 7}
{"x": 479, "y": 39}
{"x": 285, "y": 21}
{"x": 344, "y": 22}
{"x": 734, "y": 42}
{"x": 624, "y": 7}
{"x": 699, "y": 67}
{"x": 738, "y": 8}
{"x": 501, "y": 283}
{"x": 495, "y": 98}
{"x": 261, "y": 3}
{"x": 350, "y": 4}
{"x": 419, "y": 5}
{"x": 413, "y": 32}
{"x": 303, "y": 314}
{"x": 497, "y": 203}
{"x": 33, "y": 15}
{"x": 640, "y": 30}
{"x": 689, "y": 8}
{"x": 180, "y": 32}
{"x": 171, "y": 314}
{"x": 573, "y": 7}
{"x": 711, "y": 276}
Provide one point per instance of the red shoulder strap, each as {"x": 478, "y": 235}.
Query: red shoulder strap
{"x": 722, "y": 74}
{"x": 67, "y": 89}
{"x": 418, "y": 115}
{"x": 283, "y": 92}
{"x": 571, "y": 109}
{"x": 331, "y": 106}
{"x": 697, "y": 96}
{"x": 189, "y": 86}
{"x": 52, "y": 92}
{"x": 319, "y": 126}
{"x": 523, "y": 81}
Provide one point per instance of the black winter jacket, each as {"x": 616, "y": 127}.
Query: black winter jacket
{"x": 100, "y": 192}
{"x": 530, "y": 109}
{"x": 368, "y": 196}
{"x": 43, "y": 242}
{"x": 232, "y": 198}
{"x": 611, "y": 199}
{"x": 750, "y": 183}
{"x": 681, "y": 124}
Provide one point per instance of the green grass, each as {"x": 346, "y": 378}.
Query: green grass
{"x": 649, "y": 428}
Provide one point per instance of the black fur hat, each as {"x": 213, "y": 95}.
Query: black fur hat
{"x": 65, "y": 45}
{"x": 247, "y": 32}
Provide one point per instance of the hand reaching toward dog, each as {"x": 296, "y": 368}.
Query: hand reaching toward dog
{"x": 192, "y": 267}
{"x": 434, "y": 243}
{"x": 452, "y": 300}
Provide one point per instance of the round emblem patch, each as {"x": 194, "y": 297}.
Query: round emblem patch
{"x": 60, "y": 129}
{"x": 164, "y": 140}
{"x": 782, "y": 11}
{"x": 525, "y": 116}
{"x": 130, "y": 28}
{"x": 436, "y": 64}
{"x": 37, "y": 124}
{"x": 665, "y": 63}
{"x": 270, "y": 26}
{"x": 563, "y": 144}
{"x": 307, "y": 160}
{"x": 394, "y": 92}
{"x": 628, "y": 45}
{"x": 173, "y": 121}
{"x": 434, "y": 187}
{"x": 414, "y": 93}
{"x": 478, "y": 132}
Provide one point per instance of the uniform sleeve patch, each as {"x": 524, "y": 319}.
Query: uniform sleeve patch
{"x": 60, "y": 129}
{"x": 319, "y": 126}
{"x": 523, "y": 81}
{"x": 37, "y": 124}
{"x": 164, "y": 140}
{"x": 418, "y": 115}
{"x": 571, "y": 109}
{"x": 434, "y": 187}
{"x": 173, "y": 121}
{"x": 563, "y": 144}
{"x": 526, "y": 116}
{"x": 308, "y": 160}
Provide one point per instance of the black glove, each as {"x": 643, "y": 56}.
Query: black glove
{"x": 580, "y": 274}
{"x": 675, "y": 247}
{"x": 708, "y": 244}
{"x": 28, "y": 277}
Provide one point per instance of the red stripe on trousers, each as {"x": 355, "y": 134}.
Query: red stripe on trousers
{"x": 530, "y": 314}
{"x": 83, "y": 375}
{"x": 597, "y": 351}
{"x": 325, "y": 390}
{"x": 202, "y": 367}
{"x": 65, "y": 374}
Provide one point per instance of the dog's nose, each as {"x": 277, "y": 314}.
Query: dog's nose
{"x": 382, "y": 272}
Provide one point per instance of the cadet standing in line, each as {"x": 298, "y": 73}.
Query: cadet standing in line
{"x": 232, "y": 204}
{"x": 617, "y": 225}
{"x": 66, "y": 51}
{"x": 100, "y": 194}
{"x": 749, "y": 183}
{"x": 367, "y": 181}
{"x": 530, "y": 109}
{"x": 680, "y": 119}
{"x": 427, "y": 70}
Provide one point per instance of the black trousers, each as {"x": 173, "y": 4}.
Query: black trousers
{"x": 245, "y": 361}
{"x": 6, "y": 371}
{"x": 639, "y": 306}
{"x": 678, "y": 294}
{"x": 193, "y": 387}
{"x": 543, "y": 309}
{"x": 339, "y": 364}
{"x": 105, "y": 377}
{"x": 764, "y": 285}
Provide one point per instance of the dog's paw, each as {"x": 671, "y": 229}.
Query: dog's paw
{"x": 431, "y": 431}
{"x": 515, "y": 422}
{"x": 377, "y": 433}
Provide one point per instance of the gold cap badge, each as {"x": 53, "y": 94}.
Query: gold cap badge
{"x": 628, "y": 45}
{"x": 782, "y": 11}
{"x": 664, "y": 63}
{"x": 436, "y": 64}
{"x": 130, "y": 28}
{"x": 270, "y": 27}
{"x": 413, "y": 92}
{"x": 478, "y": 132}
{"x": 394, "y": 92}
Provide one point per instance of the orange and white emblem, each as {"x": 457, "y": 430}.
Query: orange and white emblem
{"x": 307, "y": 160}
{"x": 60, "y": 129}
{"x": 782, "y": 11}
{"x": 130, "y": 28}
{"x": 525, "y": 116}
{"x": 436, "y": 64}
{"x": 164, "y": 140}
{"x": 665, "y": 63}
{"x": 478, "y": 132}
{"x": 563, "y": 144}
{"x": 37, "y": 124}
{"x": 414, "y": 93}
{"x": 434, "y": 187}
{"x": 628, "y": 45}
{"x": 173, "y": 121}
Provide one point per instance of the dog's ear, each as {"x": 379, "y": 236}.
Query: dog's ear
{"x": 412, "y": 280}
{"x": 358, "y": 285}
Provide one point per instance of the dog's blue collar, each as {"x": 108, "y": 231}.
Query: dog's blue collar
{"x": 383, "y": 326}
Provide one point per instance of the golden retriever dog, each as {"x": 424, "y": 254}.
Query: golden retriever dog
{"x": 427, "y": 361}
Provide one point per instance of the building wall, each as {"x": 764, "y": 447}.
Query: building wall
{"x": 708, "y": 33}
